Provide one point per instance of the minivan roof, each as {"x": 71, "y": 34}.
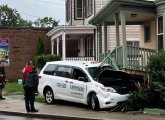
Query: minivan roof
{"x": 77, "y": 63}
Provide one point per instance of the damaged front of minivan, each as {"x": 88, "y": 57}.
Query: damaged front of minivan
{"x": 114, "y": 86}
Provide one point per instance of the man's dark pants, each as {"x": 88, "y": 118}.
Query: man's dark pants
{"x": 29, "y": 98}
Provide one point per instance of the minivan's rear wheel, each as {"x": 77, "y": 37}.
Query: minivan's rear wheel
{"x": 49, "y": 96}
{"x": 94, "y": 102}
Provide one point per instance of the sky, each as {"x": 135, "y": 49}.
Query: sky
{"x": 33, "y": 9}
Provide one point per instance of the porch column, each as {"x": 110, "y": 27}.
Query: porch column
{"x": 99, "y": 40}
{"x": 58, "y": 46}
{"x": 117, "y": 30}
{"x": 123, "y": 31}
{"x": 63, "y": 47}
{"x": 52, "y": 46}
{"x": 105, "y": 37}
{"x": 118, "y": 60}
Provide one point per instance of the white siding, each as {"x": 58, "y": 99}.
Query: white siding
{"x": 132, "y": 34}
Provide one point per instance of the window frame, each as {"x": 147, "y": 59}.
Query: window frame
{"x": 76, "y": 10}
{"x": 89, "y": 8}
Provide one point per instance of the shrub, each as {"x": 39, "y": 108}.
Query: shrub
{"x": 137, "y": 101}
{"x": 41, "y": 60}
{"x": 156, "y": 71}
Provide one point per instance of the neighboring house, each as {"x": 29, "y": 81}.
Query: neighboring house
{"x": 147, "y": 15}
{"x": 78, "y": 29}
{"x": 123, "y": 32}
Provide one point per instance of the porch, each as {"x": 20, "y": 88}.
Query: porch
{"x": 113, "y": 48}
{"x": 73, "y": 42}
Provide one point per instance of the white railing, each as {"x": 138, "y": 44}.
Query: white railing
{"x": 80, "y": 59}
{"x": 137, "y": 58}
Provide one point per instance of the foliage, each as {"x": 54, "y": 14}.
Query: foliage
{"x": 11, "y": 17}
{"x": 137, "y": 100}
{"x": 40, "y": 47}
{"x": 46, "y": 22}
{"x": 156, "y": 71}
{"x": 40, "y": 99}
{"x": 41, "y": 60}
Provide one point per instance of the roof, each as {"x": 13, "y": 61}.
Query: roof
{"x": 77, "y": 29}
{"x": 113, "y": 5}
{"x": 82, "y": 64}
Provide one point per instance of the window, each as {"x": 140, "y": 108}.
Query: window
{"x": 68, "y": 8}
{"x": 133, "y": 43}
{"x": 50, "y": 69}
{"x": 64, "y": 71}
{"x": 78, "y": 73}
{"x": 160, "y": 24}
{"x": 89, "y": 9}
{"x": 160, "y": 42}
{"x": 147, "y": 33}
{"x": 78, "y": 9}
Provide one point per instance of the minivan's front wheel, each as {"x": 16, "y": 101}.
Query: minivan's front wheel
{"x": 94, "y": 102}
{"x": 49, "y": 97}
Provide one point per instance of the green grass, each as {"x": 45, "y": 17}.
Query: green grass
{"x": 13, "y": 87}
{"x": 40, "y": 99}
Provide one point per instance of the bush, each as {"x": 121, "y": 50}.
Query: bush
{"x": 137, "y": 101}
{"x": 41, "y": 60}
{"x": 154, "y": 96}
{"x": 156, "y": 71}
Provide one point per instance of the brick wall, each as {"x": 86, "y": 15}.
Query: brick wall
{"x": 22, "y": 45}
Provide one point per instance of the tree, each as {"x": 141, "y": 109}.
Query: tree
{"x": 10, "y": 17}
{"x": 40, "y": 47}
{"x": 46, "y": 22}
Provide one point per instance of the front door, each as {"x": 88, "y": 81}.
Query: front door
{"x": 78, "y": 88}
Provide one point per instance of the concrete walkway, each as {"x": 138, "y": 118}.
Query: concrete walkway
{"x": 14, "y": 105}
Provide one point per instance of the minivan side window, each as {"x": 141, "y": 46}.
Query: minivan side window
{"x": 64, "y": 71}
{"x": 78, "y": 73}
{"x": 50, "y": 69}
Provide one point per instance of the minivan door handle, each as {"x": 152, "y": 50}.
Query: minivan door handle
{"x": 66, "y": 81}
{"x": 71, "y": 82}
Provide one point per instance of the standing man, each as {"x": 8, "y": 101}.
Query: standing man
{"x": 2, "y": 80}
{"x": 30, "y": 83}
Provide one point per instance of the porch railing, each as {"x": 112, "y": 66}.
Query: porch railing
{"x": 80, "y": 58}
{"x": 137, "y": 58}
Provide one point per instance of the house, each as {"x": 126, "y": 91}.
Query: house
{"x": 121, "y": 32}
{"x": 123, "y": 13}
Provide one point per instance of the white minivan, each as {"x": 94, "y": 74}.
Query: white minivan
{"x": 90, "y": 83}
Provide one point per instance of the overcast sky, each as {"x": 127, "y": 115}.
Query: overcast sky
{"x": 32, "y": 9}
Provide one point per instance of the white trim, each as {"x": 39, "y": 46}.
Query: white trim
{"x": 58, "y": 46}
{"x": 63, "y": 46}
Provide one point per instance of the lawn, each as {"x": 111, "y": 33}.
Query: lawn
{"x": 15, "y": 88}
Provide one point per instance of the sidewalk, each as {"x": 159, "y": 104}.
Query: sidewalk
{"x": 14, "y": 105}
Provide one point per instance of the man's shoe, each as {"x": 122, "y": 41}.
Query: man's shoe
{"x": 2, "y": 98}
{"x": 34, "y": 110}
